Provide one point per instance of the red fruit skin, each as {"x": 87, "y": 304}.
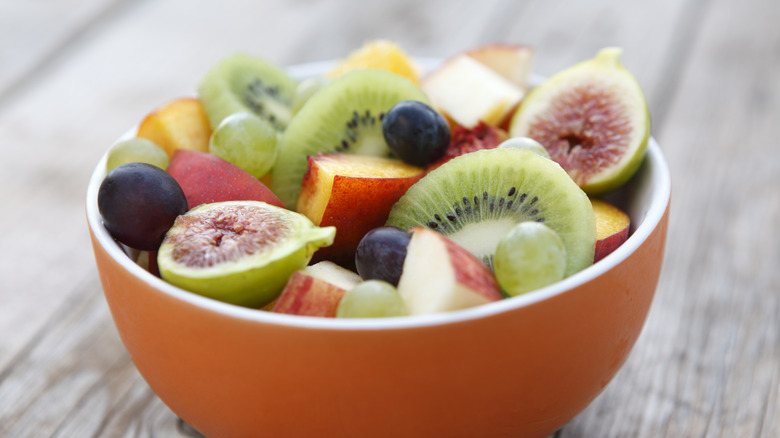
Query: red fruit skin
{"x": 357, "y": 206}
{"x": 358, "y": 201}
{"x": 605, "y": 246}
{"x": 206, "y": 178}
{"x": 612, "y": 227}
{"x": 471, "y": 272}
{"x": 309, "y": 296}
{"x": 464, "y": 140}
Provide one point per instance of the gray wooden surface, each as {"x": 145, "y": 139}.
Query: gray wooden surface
{"x": 75, "y": 74}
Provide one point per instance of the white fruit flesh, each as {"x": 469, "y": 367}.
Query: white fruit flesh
{"x": 513, "y": 62}
{"x": 468, "y": 91}
{"x": 334, "y": 274}
{"x": 439, "y": 278}
{"x": 482, "y": 238}
{"x": 316, "y": 290}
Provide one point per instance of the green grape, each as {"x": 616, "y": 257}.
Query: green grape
{"x": 371, "y": 299}
{"x": 525, "y": 143}
{"x": 306, "y": 89}
{"x": 247, "y": 141}
{"x": 136, "y": 150}
{"x": 530, "y": 256}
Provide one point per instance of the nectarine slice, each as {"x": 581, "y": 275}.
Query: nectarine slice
{"x": 206, "y": 178}
{"x": 611, "y": 227}
{"x": 354, "y": 193}
{"x": 180, "y": 124}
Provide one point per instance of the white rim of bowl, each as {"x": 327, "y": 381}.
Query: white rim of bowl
{"x": 661, "y": 190}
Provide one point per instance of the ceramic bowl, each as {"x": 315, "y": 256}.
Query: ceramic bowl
{"x": 524, "y": 366}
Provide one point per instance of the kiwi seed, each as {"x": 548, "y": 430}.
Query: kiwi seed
{"x": 344, "y": 116}
{"x": 476, "y": 198}
{"x": 241, "y": 82}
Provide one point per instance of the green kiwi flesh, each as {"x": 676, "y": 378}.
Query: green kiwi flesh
{"x": 241, "y": 82}
{"x": 476, "y": 198}
{"x": 344, "y": 116}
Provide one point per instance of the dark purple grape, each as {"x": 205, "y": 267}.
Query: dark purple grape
{"x": 380, "y": 254}
{"x": 139, "y": 203}
{"x": 416, "y": 133}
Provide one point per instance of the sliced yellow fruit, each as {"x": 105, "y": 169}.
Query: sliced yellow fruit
{"x": 380, "y": 55}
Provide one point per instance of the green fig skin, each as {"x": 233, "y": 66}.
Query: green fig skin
{"x": 254, "y": 280}
{"x": 605, "y": 67}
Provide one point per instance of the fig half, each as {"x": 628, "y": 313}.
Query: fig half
{"x": 593, "y": 120}
{"x": 240, "y": 252}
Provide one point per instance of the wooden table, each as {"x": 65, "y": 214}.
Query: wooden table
{"x": 76, "y": 74}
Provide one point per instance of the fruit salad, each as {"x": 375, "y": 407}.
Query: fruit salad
{"x": 378, "y": 189}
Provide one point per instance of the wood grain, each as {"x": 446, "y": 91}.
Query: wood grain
{"x": 75, "y": 75}
{"x": 710, "y": 352}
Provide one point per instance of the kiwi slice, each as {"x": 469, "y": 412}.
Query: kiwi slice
{"x": 477, "y": 198}
{"x": 240, "y": 252}
{"x": 344, "y": 116}
{"x": 242, "y": 82}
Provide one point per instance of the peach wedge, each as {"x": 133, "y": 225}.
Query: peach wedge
{"x": 179, "y": 124}
{"x": 354, "y": 193}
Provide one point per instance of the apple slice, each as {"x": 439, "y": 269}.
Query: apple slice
{"x": 316, "y": 290}
{"x": 354, "y": 193}
{"x": 179, "y": 124}
{"x": 439, "y": 275}
{"x": 512, "y": 61}
{"x": 612, "y": 226}
{"x": 206, "y": 178}
{"x": 467, "y": 91}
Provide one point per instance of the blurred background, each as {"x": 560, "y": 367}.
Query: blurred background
{"x": 75, "y": 75}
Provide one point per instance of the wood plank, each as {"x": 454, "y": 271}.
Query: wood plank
{"x": 36, "y": 185}
{"x": 77, "y": 380}
{"x": 36, "y": 34}
{"x": 710, "y": 353}
{"x": 708, "y": 362}
{"x": 564, "y": 33}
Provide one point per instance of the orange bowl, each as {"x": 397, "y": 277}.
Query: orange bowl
{"x": 523, "y": 366}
